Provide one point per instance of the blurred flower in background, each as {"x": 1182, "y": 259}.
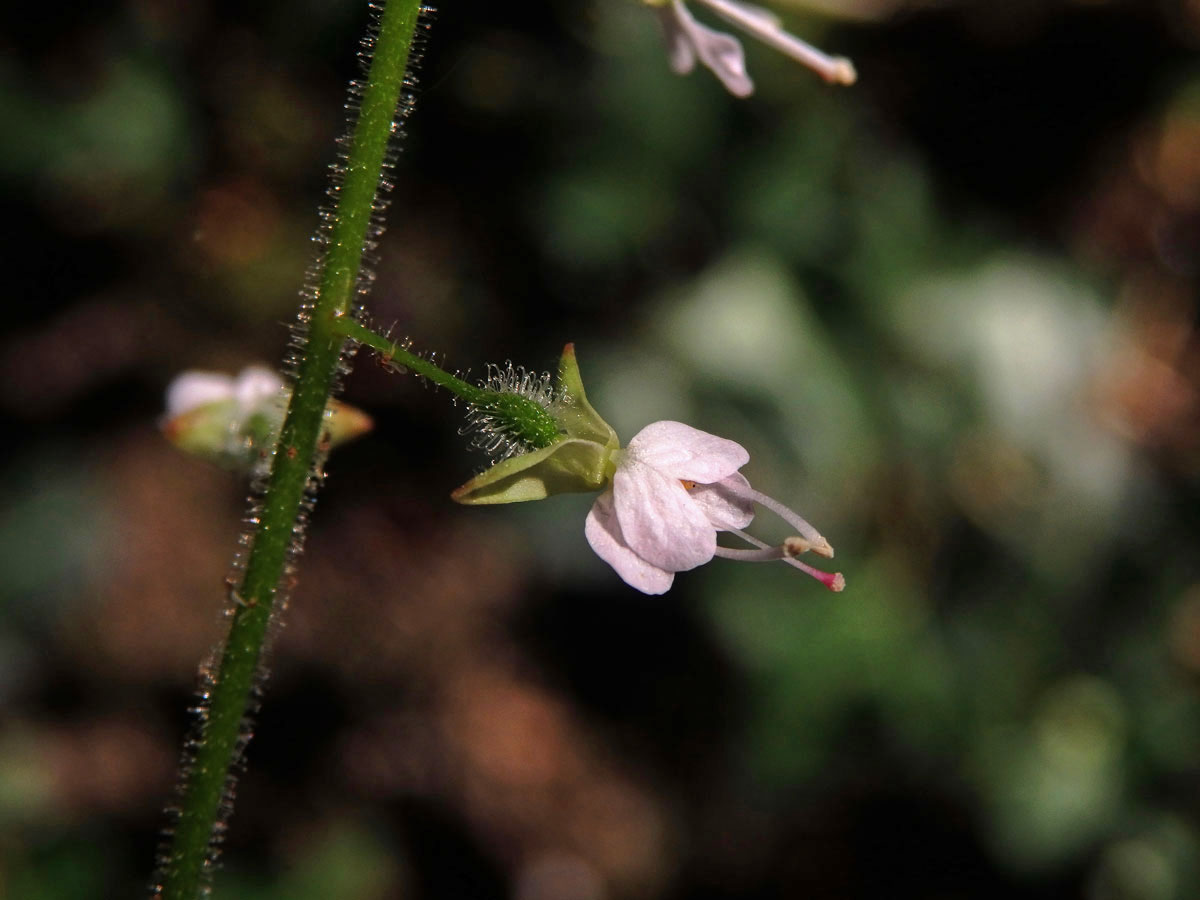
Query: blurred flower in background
{"x": 234, "y": 421}
{"x": 721, "y": 53}
{"x": 950, "y": 313}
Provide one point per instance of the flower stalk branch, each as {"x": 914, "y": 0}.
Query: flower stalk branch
{"x": 392, "y": 352}
{"x": 664, "y": 499}
{"x": 519, "y": 404}
{"x": 228, "y": 697}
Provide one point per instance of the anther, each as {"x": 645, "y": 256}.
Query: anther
{"x": 823, "y": 548}
{"x": 796, "y": 545}
{"x": 787, "y": 553}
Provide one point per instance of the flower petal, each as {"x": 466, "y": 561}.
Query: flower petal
{"x": 679, "y": 43}
{"x": 721, "y": 53}
{"x": 681, "y": 451}
{"x": 660, "y": 522}
{"x": 190, "y": 390}
{"x": 255, "y": 387}
{"x": 603, "y": 532}
{"x": 766, "y": 27}
{"x": 725, "y": 507}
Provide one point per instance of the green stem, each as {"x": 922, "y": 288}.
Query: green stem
{"x": 507, "y": 410}
{"x": 186, "y": 869}
{"x": 393, "y": 352}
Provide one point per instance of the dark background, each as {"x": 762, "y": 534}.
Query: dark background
{"x": 951, "y": 312}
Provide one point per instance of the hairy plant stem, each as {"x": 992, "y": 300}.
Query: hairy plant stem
{"x": 392, "y": 352}
{"x": 518, "y": 415}
{"x": 186, "y": 867}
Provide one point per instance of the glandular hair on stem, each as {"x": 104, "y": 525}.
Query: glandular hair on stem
{"x": 298, "y": 339}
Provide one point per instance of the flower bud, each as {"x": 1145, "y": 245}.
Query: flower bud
{"x": 235, "y": 421}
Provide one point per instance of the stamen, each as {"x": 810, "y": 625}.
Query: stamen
{"x": 790, "y": 548}
{"x": 820, "y": 546}
{"x": 835, "y": 581}
{"x": 766, "y": 554}
{"x": 794, "y": 546}
{"x": 834, "y": 69}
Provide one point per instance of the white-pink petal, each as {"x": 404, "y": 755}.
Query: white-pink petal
{"x": 726, "y": 503}
{"x": 679, "y": 44}
{"x": 255, "y": 386}
{"x": 603, "y": 533}
{"x": 673, "y": 489}
{"x": 681, "y": 451}
{"x": 660, "y": 522}
{"x": 190, "y": 390}
{"x": 721, "y": 53}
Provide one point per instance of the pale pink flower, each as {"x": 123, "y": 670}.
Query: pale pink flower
{"x": 256, "y": 389}
{"x": 673, "y": 489}
{"x": 688, "y": 40}
{"x": 234, "y": 420}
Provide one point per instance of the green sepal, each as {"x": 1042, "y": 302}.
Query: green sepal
{"x": 219, "y": 433}
{"x": 344, "y": 422}
{"x": 578, "y": 463}
{"x": 575, "y": 414}
{"x": 572, "y": 465}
